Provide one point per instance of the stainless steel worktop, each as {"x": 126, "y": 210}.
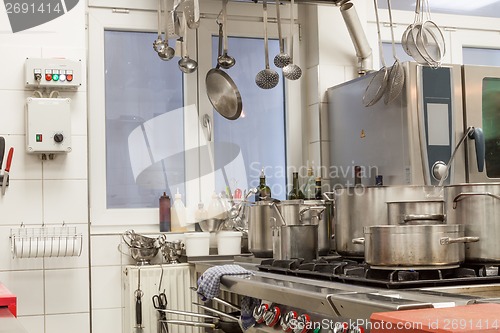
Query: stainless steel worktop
{"x": 344, "y": 300}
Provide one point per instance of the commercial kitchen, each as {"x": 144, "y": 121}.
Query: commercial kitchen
{"x": 249, "y": 166}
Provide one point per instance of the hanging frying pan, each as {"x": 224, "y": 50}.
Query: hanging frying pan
{"x": 222, "y": 91}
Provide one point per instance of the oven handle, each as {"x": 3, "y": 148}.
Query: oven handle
{"x": 477, "y": 135}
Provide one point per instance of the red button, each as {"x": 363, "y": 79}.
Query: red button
{"x": 48, "y": 77}
{"x": 69, "y": 77}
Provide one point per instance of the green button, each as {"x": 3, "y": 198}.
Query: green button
{"x": 317, "y": 330}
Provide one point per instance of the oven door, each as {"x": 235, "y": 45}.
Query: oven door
{"x": 481, "y": 86}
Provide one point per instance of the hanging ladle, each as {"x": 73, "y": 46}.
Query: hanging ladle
{"x": 292, "y": 71}
{"x": 186, "y": 64}
{"x": 282, "y": 59}
{"x": 167, "y": 52}
{"x": 224, "y": 60}
{"x": 158, "y": 44}
{"x": 266, "y": 78}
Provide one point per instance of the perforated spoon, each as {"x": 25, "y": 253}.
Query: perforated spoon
{"x": 266, "y": 78}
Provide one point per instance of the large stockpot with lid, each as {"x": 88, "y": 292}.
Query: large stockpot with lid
{"x": 414, "y": 246}
{"x": 476, "y": 206}
{"x": 363, "y": 206}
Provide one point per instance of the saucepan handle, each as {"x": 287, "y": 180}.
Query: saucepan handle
{"x": 422, "y": 217}
{"x": 465, "y": 195}
{"x": 326, "y": 195}
{"x": 449, "y": 240}
{"x": 360, "y": 241}
{"x": 188, "y": 323}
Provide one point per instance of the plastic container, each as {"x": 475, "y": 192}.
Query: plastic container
{"x": 197, "y": 244}
{"x": 178, "y": 214}
{"x": 229, "y": 242}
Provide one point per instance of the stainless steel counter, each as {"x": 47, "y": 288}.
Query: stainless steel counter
{"x": 344, "y": 300}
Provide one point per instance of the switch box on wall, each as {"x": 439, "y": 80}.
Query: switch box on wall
{"x": 48, "y": 125}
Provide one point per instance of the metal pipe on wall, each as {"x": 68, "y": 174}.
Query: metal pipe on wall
{"x": 363, "y": 49}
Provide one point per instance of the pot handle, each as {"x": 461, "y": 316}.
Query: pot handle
{"x": 121, "y": 251}
{"x": 422, "y": 217}
{"x": 448, "y": 240}
{"x": 327, "y": 197}
{"x": 360, "y": 241}
{"x": 464, "y": 195}
{"x": 188, "y": 323}
{"x": 273, "y": 220}
{"x": 128, "y": 234}
{"x": 185, "y": 313}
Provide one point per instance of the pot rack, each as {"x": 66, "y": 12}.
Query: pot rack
{"x": 45, "y": 242}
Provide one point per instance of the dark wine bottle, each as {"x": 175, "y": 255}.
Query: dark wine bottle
{"x": 263, "y": 191}
{"x": 317, "y": 193}
{"x": 295, "y": 192}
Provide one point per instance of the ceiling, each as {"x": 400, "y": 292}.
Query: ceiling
{"x": 488, "y": 8}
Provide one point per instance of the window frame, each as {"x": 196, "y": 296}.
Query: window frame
{"x": 101, "y": 17}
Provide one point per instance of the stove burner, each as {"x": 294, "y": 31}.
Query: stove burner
{"x": 347, "y": 270}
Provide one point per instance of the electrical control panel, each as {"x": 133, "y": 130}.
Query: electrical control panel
{"x": 52, "y": 73}
{"x": 48, "y": 125}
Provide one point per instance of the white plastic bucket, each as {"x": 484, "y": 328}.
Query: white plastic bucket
{"x": 229, "y": 242}
{"x": 197, "y": 244}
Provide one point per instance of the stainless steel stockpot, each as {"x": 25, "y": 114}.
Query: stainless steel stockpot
{"x": 476, "y": 206}
{"x": 358, "y": 207}
{"x": 325, "y": 223}
{"x": 260, "y": 237}
{"x": 299, "y": 241}
{"x": 414, "y": 246}
{"x": 416, "y": 212}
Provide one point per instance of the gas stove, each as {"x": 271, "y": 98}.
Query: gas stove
{"x": 336, "y": 268}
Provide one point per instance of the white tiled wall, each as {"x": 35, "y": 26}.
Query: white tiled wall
{"x": 53, "y": 293}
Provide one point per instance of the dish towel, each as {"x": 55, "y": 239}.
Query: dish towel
{"x": 209, "y": 287}
{"x": 209, "y": 281}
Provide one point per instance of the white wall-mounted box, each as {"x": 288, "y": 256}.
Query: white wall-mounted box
{"x": 52, "y": 73}
{"x": 48, "y": 125}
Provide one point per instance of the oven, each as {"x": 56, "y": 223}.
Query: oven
{"x": 411, "y": 139}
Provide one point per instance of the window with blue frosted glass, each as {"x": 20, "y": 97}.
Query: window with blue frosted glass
{"x": 259, "y": 133}
{"x": 144, "y": 121}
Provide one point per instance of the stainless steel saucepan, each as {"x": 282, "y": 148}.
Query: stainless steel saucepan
{"x": 414, "y": 246}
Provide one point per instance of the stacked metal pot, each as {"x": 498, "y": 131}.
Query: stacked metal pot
{"x": 290, "y": 229}
{"x": 398, "y": 227}
{"x": 476, "y": 207}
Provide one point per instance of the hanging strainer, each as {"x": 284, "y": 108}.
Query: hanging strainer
{"x": 396, "y": 79}
{"x": 409, "y": 39}
{"x": 430, "y": 40}
{"x": 378, "y": 84}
